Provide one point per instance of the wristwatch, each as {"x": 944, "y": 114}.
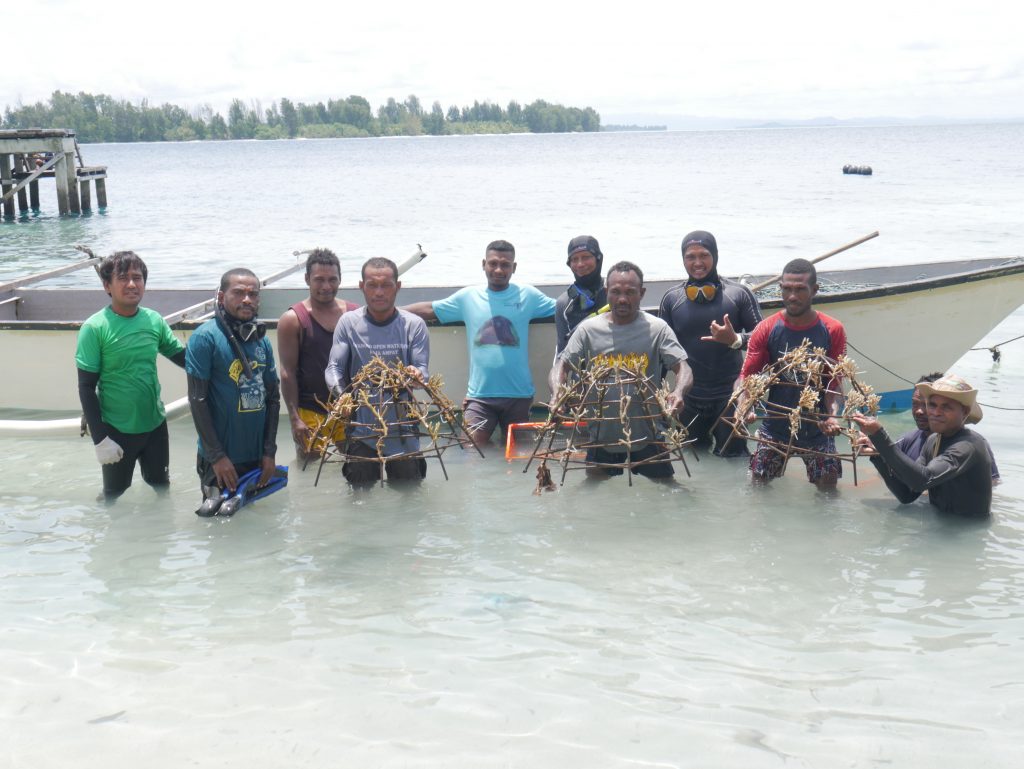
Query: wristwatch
{"x": 738, "y": 344}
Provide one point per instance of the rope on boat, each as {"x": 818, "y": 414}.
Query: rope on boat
{"x": 995, "y": 356}
{"x": 865, "y": 356}
{"x": 994, "y": 349}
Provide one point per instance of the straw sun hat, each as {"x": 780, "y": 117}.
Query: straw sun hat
{"x": 955, "y": 388}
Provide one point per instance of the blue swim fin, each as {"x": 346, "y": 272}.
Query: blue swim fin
{"x": 247, "y": 490}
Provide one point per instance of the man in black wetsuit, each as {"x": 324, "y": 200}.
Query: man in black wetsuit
{"x": 587, "y": 295}
{"x": 912, "y": 442}
{"x": 953, "y": 467}
{"x": 712, "y": 318}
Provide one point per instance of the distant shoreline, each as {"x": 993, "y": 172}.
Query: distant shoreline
{"x": 616, "y": 127}
{"x": 101, "y": 118}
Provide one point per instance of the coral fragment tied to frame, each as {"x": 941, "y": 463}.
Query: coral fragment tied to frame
{"x": 392, "y": 411}
{"x": 608, "y": 404}
{"x": 812, "y": 375}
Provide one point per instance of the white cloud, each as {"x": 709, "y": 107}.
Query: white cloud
{"x": 741, "y": 59}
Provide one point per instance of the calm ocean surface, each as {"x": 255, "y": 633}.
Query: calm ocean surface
{"x": 470, "y": 623}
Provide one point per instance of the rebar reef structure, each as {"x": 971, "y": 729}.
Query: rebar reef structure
{"x": 388, "y": 404}
{"x": 608, "y": 404}
{"x": 815, "y": 375}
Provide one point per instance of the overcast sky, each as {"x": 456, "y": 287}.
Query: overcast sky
{"x": 747, "y": 59}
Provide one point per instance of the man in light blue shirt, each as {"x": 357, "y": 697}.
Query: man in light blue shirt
{"x": 497, "y": 318}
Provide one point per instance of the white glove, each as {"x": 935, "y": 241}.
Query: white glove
{"x": 108, "y": 452}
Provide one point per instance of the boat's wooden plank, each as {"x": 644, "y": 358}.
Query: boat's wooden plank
{"x": 204, "y": 310}
{"x": 40, "y": 276}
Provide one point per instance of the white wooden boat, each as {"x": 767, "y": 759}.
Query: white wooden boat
{"x": 901, "y": 322}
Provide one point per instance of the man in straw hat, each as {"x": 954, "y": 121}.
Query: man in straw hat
{"x": 954, "y": 466}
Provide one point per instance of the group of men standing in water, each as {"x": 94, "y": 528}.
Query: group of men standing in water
{"x": 709, "y": 333}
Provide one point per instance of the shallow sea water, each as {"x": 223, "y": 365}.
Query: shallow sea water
{"x": 470, "y": 623}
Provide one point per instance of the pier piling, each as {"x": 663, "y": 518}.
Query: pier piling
{"x": 47, "y": 153}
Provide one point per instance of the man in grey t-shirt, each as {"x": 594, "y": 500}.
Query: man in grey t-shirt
{"x": 625, "y": 330}
{"x": 379, "y": 330}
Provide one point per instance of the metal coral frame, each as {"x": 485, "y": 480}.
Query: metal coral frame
{"x": 603, "y": 392}
{"x": 398, "y": 398}
{"x": 812, "y": 371}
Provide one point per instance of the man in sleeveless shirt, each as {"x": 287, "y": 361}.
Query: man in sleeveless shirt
{"x": 712, "y": 318}
{"x": 772, "y": 338}
{"x": 305, "y": 334}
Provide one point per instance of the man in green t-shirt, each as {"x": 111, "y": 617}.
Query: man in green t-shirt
{"x": 117, "y": 379}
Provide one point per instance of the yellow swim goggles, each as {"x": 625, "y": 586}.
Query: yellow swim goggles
{"x": 701, "y": 294}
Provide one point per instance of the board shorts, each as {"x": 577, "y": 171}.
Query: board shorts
{"x": 365, "y": 473}
{"x": 648, "y": 469}
{"x": 484, "y": 414}
{"x": 767, "y": 463}
{"x": 313, "y": 420}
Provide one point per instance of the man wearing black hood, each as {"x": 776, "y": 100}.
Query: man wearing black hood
{"x": 712, "y": 318}
{"x": 586, "y": 296}
{"x": 233, "y": 389}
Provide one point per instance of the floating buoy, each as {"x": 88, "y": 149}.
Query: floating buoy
{"x": 862, "y": 170}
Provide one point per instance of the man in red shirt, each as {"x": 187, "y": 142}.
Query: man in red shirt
{"x": 770, "y": 340}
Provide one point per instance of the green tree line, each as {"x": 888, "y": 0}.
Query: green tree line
{"x": 103, "y": 118}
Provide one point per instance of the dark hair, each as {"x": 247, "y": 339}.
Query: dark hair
{"x": 626, "y": 267}
{"x": 322, "y": 256}
{"x": 119, "y": 263}
{"x": 801, "y": 267}
{"x": 379, "y": 263}
{"x": 501, "y": 246}
{"x": 935, "y": 375}
{"x": 240, "y": 272}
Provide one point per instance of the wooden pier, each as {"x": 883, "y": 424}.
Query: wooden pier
{"x": 30, "y": 154}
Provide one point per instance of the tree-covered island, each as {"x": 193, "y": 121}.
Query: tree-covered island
{"x": 102, "y": 118}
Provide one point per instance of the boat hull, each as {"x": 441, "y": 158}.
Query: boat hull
{"x": 897, "y": 330}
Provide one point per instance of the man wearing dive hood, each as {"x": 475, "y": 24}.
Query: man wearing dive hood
{"x": 712, "y": 318}
{"x": 233, "y": 390}
{"x": 587, "y": 295}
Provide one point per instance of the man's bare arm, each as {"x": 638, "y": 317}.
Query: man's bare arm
{"x": 684, "y": 381}
{"x": 557, "y": 375}
{"x": 288, "y": 329}
{"x": 423, "y": 309}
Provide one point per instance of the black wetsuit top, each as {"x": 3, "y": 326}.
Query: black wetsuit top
{"x": 956, "y": 473}
{"x": 572, "y": 308}
{"x": 715, "y": 366}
